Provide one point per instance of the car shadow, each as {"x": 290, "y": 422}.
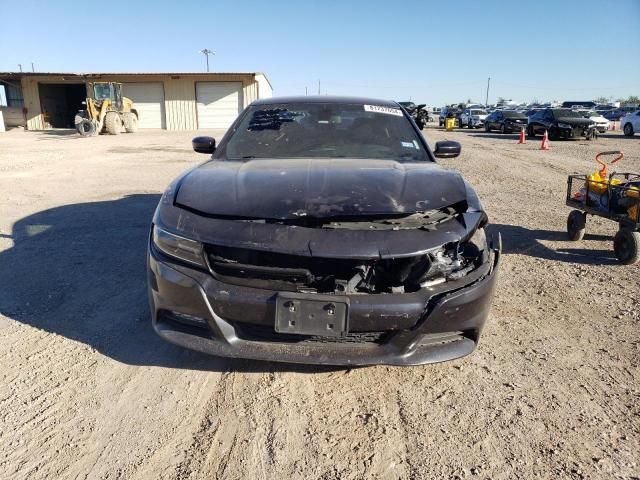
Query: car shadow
{"x": 525, "y": 241}
{"x": 499, "y": 136}
{"x": 79, "y": 271}
{"x": 617, "y": 136}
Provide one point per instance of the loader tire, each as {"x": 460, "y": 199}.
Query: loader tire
{"x": 130, "y": 122}
{"x": 86, "y": 127}
{"x": 113, "y": 123}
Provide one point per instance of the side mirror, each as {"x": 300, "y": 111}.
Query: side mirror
{"x": 204, "y": 144}
{"x": 447, "y": 149}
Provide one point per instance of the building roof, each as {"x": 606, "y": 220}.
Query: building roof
{"x": 99, "y": 74}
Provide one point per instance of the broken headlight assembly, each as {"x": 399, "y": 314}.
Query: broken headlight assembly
{"x": 449, "y": 262}
{"x": 178, "y": 247}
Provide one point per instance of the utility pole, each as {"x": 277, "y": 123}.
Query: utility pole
{"x": 318, "y": 86}
{"x": 33, "y": 69}
{"x": 486, "y": 100}
{"x": 20, "y": 66}
{"x": 306, "y": 91}
{"x": 206, "y": 52}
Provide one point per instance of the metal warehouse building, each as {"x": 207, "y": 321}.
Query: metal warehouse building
{"x": 172, "y": 101}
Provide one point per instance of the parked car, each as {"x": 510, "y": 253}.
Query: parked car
{"x": 507, "y": 121}
{"x": 602, "y": 124}
{"x": 581, "y": 103}
{"x": 560, "y": 123}
{"x": 449, "y": 112}
{"x": 614, "y": 115}
{"x": 630, "y": 123}
{"x": 472, "y": 118}
{"x": 322, "y": 230}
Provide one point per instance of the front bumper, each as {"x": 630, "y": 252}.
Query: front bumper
{"x": 193, "y": 309}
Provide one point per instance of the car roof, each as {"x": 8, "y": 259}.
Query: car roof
{"x": 326, "y": 99}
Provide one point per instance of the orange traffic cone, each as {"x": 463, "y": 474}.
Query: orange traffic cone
{"x": 545, "y": 141}
{"x": 521, "y": 139}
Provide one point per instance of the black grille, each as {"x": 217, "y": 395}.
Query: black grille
{"x": 266, "y": 333}
{"x": 291, "y": 272}
{"x": 278, "y": 269}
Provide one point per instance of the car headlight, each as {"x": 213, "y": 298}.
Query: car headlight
{"x": 564, "y": 125}
{"x": 182, "y": 248}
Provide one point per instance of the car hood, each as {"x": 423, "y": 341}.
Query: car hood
{"x": 575, "y": 121}
{"x": 282, "y": 189}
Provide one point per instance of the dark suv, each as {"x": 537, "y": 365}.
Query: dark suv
{"x": 322, "y": 230}
{"x": 560, "y": 123}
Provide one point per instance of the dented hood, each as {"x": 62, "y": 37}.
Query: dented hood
{"x": 294, "y": 188}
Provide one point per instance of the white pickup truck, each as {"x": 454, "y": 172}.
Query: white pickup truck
{"x": 472, "y": 118}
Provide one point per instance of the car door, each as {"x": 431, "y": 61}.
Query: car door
{"x": 549, "y": 120}
{"x": 636, "y": 121}
{"x": 489, "y": 120}
{"x": 536, "y": 122}
{"x": 499, "y": 120}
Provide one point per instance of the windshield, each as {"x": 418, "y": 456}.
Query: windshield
{"x": 513, "y": 114}
{"x": 566, "y": 113}
{"x": 478, "y": 112}
{"x": 324, "y": 130}
{"x": 102, "y": 91}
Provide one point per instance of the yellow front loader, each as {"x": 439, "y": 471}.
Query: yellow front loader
{"x": 106, "y": 111}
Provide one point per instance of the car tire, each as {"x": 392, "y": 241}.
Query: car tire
{"x": 113, "y": 123}
{"x": 530, "y": 132}
{"x": 553, "y": 134}
{"x": 576, "y": 225}
{"x": 487, "y": 128}
{"x": 628, "y": 130}
{"x": 626, "y": 245}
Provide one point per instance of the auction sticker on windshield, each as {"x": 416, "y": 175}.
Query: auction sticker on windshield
{"x": 386, "y": 110}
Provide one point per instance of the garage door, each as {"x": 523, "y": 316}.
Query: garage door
{"x": 219, "y": 103}
{"x": 148, "y": 99}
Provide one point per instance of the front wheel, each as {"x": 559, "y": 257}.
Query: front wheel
{"x": 113, "y": 123}
{"x": 576, "y": 223}
{"x": 628, "y": 130}
{"x": 626, "y": 245}
{"x": 530, "y": 132}
{"x": 486, "y": 128}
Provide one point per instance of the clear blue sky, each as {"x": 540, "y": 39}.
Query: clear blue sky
{"x": 434, "y": 52}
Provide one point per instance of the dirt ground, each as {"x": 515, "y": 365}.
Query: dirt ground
{"x": 89, "y": 391}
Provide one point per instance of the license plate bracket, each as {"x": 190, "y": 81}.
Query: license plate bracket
{"x": 304, "y": 314}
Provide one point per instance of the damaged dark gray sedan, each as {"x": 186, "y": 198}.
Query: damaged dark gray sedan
{"x": 322, "y": 230}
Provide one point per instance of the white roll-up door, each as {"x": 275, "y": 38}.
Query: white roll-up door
{"x": 218, "y": 103}
{"x": 148, "y": 100}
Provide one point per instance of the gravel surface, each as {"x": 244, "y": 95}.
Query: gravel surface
{"x": 89, "y": 391}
